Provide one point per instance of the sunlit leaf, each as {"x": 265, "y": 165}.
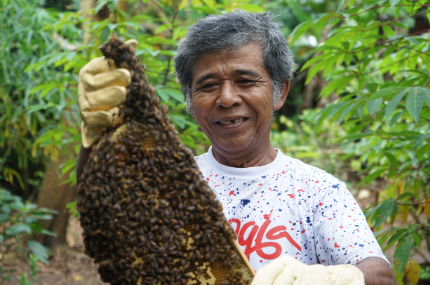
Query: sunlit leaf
{"x": 337, "y": 85}
{"x": 414, "y": 103}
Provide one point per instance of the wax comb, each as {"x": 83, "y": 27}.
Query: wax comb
{"x": 147, "y": 214}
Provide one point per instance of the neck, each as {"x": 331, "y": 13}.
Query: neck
{"x": 252, "y": 157}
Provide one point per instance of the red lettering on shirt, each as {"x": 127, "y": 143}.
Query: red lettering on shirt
{"x": 258, "y": 233}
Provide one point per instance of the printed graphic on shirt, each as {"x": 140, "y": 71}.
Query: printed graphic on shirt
{"x": 290, "y": 208}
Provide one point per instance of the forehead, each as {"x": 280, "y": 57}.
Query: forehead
{"x": 248, "y": 57}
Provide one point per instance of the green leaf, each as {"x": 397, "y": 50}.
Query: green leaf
{"x": 418, "y": 140}
{"x": 312, "y": 61}
{"x": 393, "y": 214}
{"x": 345, "y": 45}
{"x": 414, "y": 103}
{"x": 394, "y": 2}
{"x": 373, "y": 105}
{"x": 412, "y": 41}
{"x": 42, "y": 216}
{"x": 300, "y": 29}
{"x": 402, "y": 252}
{"x": 393, "y": 103}
{"x": 112, "y": 26}
{"x": 252, "y": 7}
{"x": 18, "y": 228}
{"x": 425, "y": 92}
{"x": 388, "y": 31}
{"x": 3, "y": 217}
{"x": 104, "y": 35}
{"x": 386, "y": 92}
{"x": 404, "y": 134}
{"x": 348, "y": 109}
{"x": 1, "y": 238}
{"x": 336, "y": 85}
{"x": 417, "y": 239}
{"x": 396, "y": 236}
{"x": 336, "y": 108}
{"x": 178, "y": 120}
{"x": 369, "y": 178}
{"x": 382, "y": 214}
{"x": 405, "y": 195}
{"x": 38, "y": 250}
{"x": 396, "y": 117}
{"x": 314, "y": 70}
{"x": 348, "y": 58}
{"x": 100, "y": 5}
{"x": 175, "y": 94}
{"x": 392, "y": 159}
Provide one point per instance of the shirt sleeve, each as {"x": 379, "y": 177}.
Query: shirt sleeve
{"x": 342, "y": 235}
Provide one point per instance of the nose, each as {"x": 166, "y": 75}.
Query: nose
{"x": 229, "y": 96}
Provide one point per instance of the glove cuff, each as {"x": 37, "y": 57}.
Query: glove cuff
{"x": 88, "y": 137}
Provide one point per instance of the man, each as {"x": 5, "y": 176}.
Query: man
{"x": 234, "y": 70}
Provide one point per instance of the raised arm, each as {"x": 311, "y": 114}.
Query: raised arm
{"x": 101, "y": 89}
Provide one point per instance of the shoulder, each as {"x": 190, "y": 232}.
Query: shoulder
{"x": 307, "y": 174}
{"x": 202, "y": 161}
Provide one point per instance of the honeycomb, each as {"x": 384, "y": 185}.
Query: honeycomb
{"x": 147, "y": 214}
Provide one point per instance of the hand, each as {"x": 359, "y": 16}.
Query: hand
{"x": 288, "y": 271}
{"x": 101, "y": 89}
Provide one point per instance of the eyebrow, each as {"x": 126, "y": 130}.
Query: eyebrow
{"x": 235, "y": 72}
{"x": 203, "y": 78}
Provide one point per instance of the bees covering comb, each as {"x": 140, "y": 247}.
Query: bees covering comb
{"x": 148, "y": 216}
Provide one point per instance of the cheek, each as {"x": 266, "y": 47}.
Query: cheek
{"x": 201, "y": 106}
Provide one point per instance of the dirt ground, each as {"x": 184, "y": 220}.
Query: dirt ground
{"x": 67, "y": 266}
{"x": 70, "y": 266}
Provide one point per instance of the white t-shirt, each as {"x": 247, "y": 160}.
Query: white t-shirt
{"x": 290, "y": 208}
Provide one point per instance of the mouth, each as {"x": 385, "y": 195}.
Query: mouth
{"x": 231, "y": 122}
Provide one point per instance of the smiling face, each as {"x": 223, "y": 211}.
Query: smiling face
{"x": 232, "y": 103}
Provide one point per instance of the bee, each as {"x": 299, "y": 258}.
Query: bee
{"x": 68, "y": 7}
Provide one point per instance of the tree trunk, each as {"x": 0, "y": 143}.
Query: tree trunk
{"x": 54, "y": 196}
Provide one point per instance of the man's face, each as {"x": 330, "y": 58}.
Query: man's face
{"x": 232, "y": 99}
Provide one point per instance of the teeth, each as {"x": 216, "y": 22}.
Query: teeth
{"x": 229, "y": 122}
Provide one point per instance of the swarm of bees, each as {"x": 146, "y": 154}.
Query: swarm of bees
{"x": 148, "y": 216}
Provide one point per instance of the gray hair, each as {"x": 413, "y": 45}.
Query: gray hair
{"x": 229, "y": 32}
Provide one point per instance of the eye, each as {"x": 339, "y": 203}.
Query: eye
{"x": 208, "y": 85}
{"x": 245, "y": 81}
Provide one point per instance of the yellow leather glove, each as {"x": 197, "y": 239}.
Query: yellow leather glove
{"x": 288, "y": 271}
{"x": 101, "y": 89}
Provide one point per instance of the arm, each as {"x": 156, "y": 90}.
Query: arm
{"x": 84, "y": 154}
{"x": 376, "y": 271}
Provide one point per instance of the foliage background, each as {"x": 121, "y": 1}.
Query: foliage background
{"x": 358, "y": 108}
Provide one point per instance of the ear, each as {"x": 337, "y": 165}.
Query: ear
{"x": 284, "y": 95}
